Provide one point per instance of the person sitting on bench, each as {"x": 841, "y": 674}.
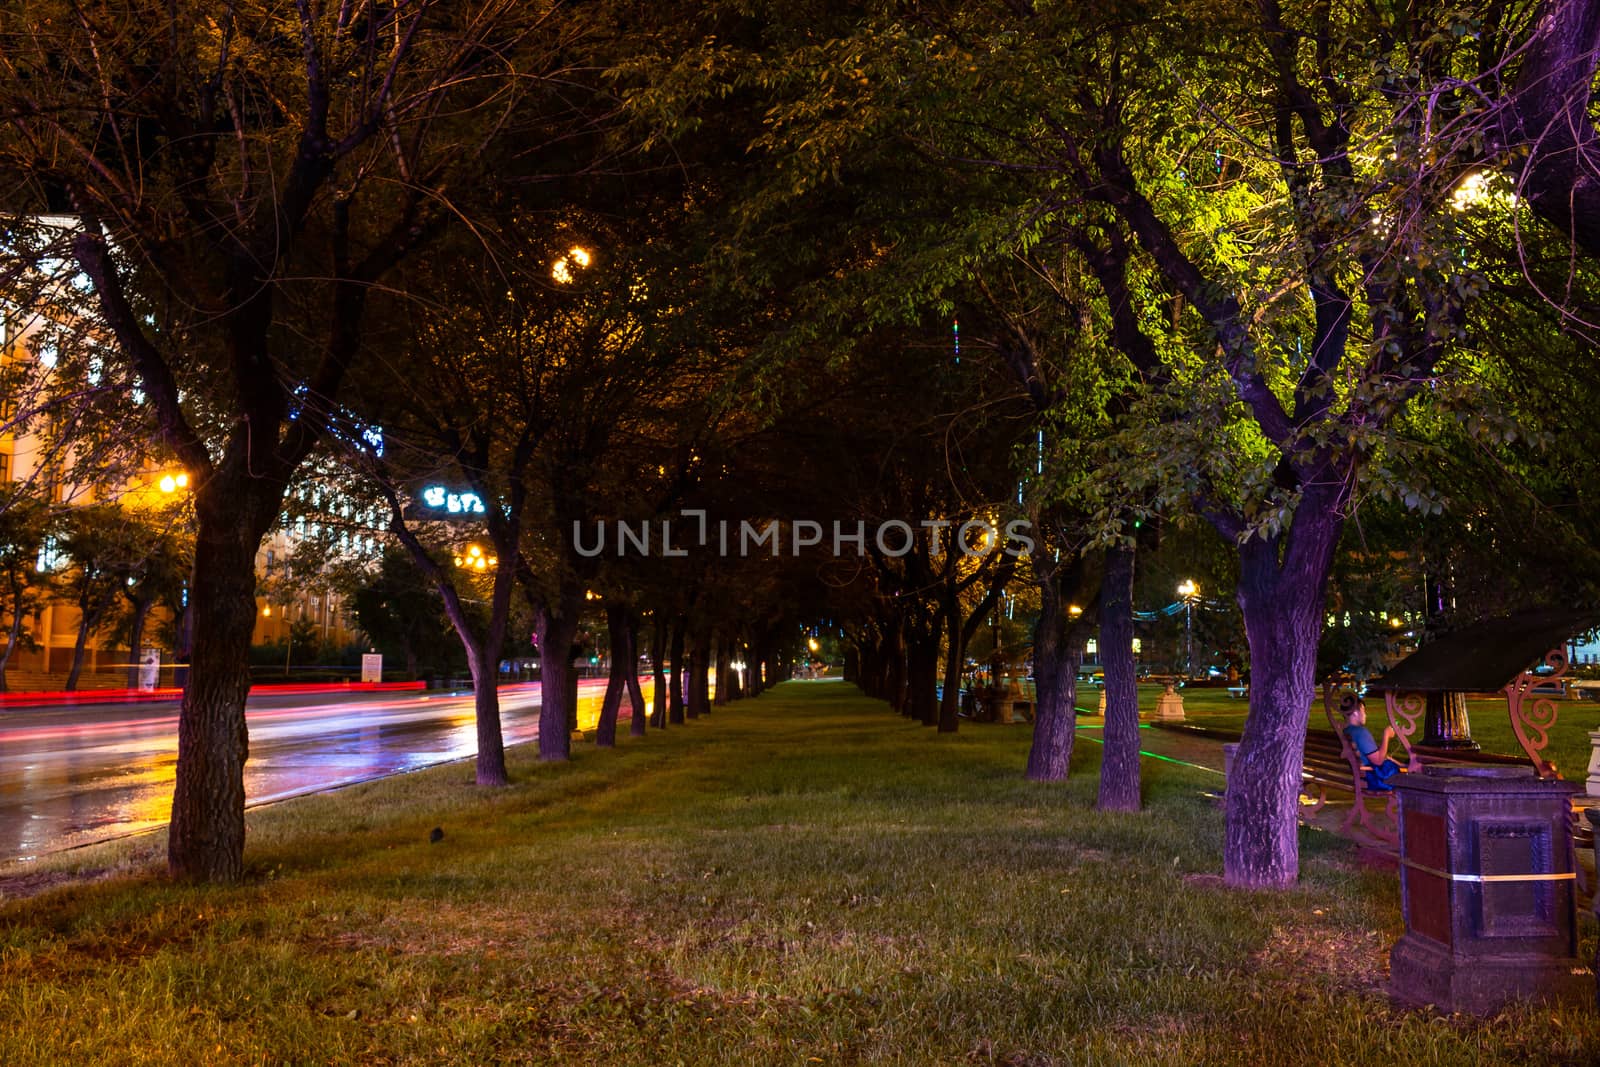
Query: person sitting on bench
{"x": 1374, "y": 755}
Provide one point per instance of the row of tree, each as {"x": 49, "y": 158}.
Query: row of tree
{"x": 1262, "y": 268}
{"x": 1265, "y": 267}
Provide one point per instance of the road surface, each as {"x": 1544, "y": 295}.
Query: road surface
{"x": 71, "y": 776}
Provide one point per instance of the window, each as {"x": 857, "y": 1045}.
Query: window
{"x": 51, "y": 557}
{"x": 5, "y": 467}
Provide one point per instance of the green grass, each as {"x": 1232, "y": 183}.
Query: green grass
{"x": 805, "y": 878}
{"x": 1491, "y": 724}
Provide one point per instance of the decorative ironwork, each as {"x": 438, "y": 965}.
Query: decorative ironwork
{"x": 1530, "y": 698}
{"x": 1404, "y": 710}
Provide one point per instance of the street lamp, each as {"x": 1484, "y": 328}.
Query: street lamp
{"x": 1188, "y": 590}
{"x": 288, "y": 651}
{"x": 473, "y": 559}
{"x": 171, "y": 483}
{"x": 561, "y": 271}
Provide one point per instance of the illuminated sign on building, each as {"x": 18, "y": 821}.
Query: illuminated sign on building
{"x": 452, "y": 504}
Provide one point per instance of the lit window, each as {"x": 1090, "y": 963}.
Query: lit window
{"x": 51, "y": 557}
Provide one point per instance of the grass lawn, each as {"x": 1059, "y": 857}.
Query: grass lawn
{"x": 804, "y": 878}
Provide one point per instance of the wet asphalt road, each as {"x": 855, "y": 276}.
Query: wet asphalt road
{"x": 71, "y": 776}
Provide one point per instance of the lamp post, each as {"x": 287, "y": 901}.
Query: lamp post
{"x": 1188, "y": 590}
{"x": 472, "y": 558}
{"x": 288, "y": 652}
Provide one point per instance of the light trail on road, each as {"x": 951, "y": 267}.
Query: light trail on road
{"x": 72, "y": 776}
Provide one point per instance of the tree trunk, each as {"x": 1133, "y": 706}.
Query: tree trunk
{"x": 699, "y": 682}
{"x": 605, "y": 730}
{"x": 955, "y": 657}
{"x": 483, "y": 661}
{"x": 658, "y": 690}
{"x": 141, "y": 609}
{"x": 484, "y": 664}
{"x": 1283, "y": 605}
{"x": 1055, "y": 684}
{"x": 894, "y": 669}
{"x": 556, "y": 626}
{"x": 80, "y": 647}
{"x": 757, "y": 681}
{"x": 13, "y": 635}
{"x": 1548, "y": 114}
{"x": 675, "y": 693}
{"x": 636, "y": 719}
{"x": 922, "y": 670}
{"x": 1119, "y": 759}
{"x": 691, "y": 702}
{"x": 205, "y": 840}
{"x": 724, "y": 671}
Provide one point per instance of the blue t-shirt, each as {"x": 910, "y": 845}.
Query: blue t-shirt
{"x": 1361, "y": 738}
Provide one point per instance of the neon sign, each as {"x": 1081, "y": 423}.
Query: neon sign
{"x": 452, "y": 503}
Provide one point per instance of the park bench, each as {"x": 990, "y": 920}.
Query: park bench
{"x": 1238, "y": 690}
{"x": 1331, "y": 762}
{"x": 1328, "y": 765}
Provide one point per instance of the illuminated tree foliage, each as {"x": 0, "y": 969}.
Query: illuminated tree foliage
{"x": 1267, "y": 197}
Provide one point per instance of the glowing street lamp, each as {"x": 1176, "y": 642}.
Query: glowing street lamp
{"x": 1188, "y": 590}
{"x": 288, "y": 651}
{"x": 171, "y": 483}
{"x": 561, "y": 269}
{"x": 473, "y": 559}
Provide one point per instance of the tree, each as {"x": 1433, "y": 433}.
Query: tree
{"x": 1284, "y": 281}
{"x": 517, "y": 396}
{"x": 24, "y": 524}
{"x": 155, "y": 576}
{"x": 1546, "y": 123}
{"x": 401, "y": 613}
{"x": 238, "y": 178}
{"x": 95, "y": 542}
